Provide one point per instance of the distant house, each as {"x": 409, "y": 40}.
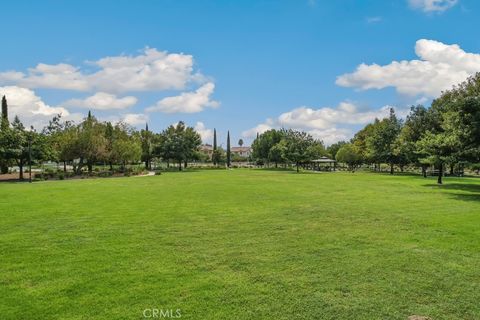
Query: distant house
{"x": 242, "y": 151}
{"x": 207, "y": 149}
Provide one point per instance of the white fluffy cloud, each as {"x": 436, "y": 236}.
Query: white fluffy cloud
{"x": 135, "y": 119}
{"x": 102, "y": 101}
{"x": 151, "y": 70}
{"x": 30, "y": 108}
{"x": 187, "y": 102}
{"x": 432, "y": 5}
{"x": 440, "y": 67}
{"x": 204, "y": 132}
{"x": 327, "y": 124}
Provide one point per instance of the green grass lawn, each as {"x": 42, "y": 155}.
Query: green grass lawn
{"x": 241, "y": 244}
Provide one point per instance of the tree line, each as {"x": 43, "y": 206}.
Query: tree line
{"x": 286, "y": 146}
{"x": 91, "y": 142}
{"x": 445, "y": 136}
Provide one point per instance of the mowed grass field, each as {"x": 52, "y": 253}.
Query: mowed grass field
{"x": 241, "y": 244}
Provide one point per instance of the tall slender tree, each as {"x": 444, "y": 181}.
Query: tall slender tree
{"x": 4, "y": 134}
{"x": 228, "y": 149}
{"x": 214, "y": 154}
{"x": 147, "y": 147}
{"x": 4, "y": 113}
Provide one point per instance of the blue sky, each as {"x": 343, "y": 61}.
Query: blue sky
{"x": 243, "y": 66}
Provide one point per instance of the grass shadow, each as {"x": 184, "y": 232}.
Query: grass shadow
{"x": 468, "y": 191}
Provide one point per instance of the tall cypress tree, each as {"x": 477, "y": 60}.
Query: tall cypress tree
{"x": 3, "y": 127}
{"x": 228, "y": 149}
{"x": 4, "y": 113}
{"x": 214, "y": 154}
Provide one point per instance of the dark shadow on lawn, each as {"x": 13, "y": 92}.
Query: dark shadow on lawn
{"x": 472, "y": 189}
{"x": 466, "y": 196}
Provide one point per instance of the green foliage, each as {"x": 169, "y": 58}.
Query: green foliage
{"x": 349, "y": 154}
{"x": 229, "y": 155}
{"x": 179, "y": 143}
{"x": 297, "y": 144}
{"x": 333, "y": 148}
{"x": 262, "y": 145}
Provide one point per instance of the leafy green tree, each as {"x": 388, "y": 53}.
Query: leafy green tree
{"x": 381, "y": 143}
{"x": 19, "y": 148}
{"x": 297, "y": 144}
{"x": 349, "y": 154}
{"x": 91, "y": 144}
{"x": 277, "y": 153}
{"x": 240, "y": 142}
{"x": 360, "y": 142}
{"x": 438, "y": 146}
{"x": 316, "y": 150}
{"x": 126, "y": 146}
{"x": 60, "y": 139}
{"x": 192, "y": 144}
{"x": 179, "y": 143}
{"x": 416, "y": 124}
{"x": 262, "y": 145}
{"x": 333, "y": 148}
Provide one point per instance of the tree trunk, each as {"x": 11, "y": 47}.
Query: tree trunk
{"x": 424, "y": 171}
{"x": 391, "y": 168}
{"x": 185, "y": 164}
{"x": 452, "y": 168}
{"x": 180, "y": 165}
{"x": 20, "y": 167}
{"x": 65, "y": 166}
{"x": 90, "y": 167}
{"x": 297, "y": 167}
{"x": 440, "y": 174}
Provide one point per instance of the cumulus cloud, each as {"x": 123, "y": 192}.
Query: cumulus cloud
{"x": 151, "y": 70}
{"x": 440, "y": 67}
{"x": 259, "y": 129}
{"x": 187, "y": 102}
{"x": 327, "y": 124}
{"x": 432, "y": 5}
{"x": 204, "y": 132}
{"x": 102, "y": 101}
{"x": 30, "y": 108}
{"x": 135, "y": 119}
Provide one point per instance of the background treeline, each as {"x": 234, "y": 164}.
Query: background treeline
{"x": 286, "y": 147}
{"x": 445, "y": 136}
{"x": 82, "y": 146}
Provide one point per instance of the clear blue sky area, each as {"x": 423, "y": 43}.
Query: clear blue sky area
{"x": 265, "y": 60}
